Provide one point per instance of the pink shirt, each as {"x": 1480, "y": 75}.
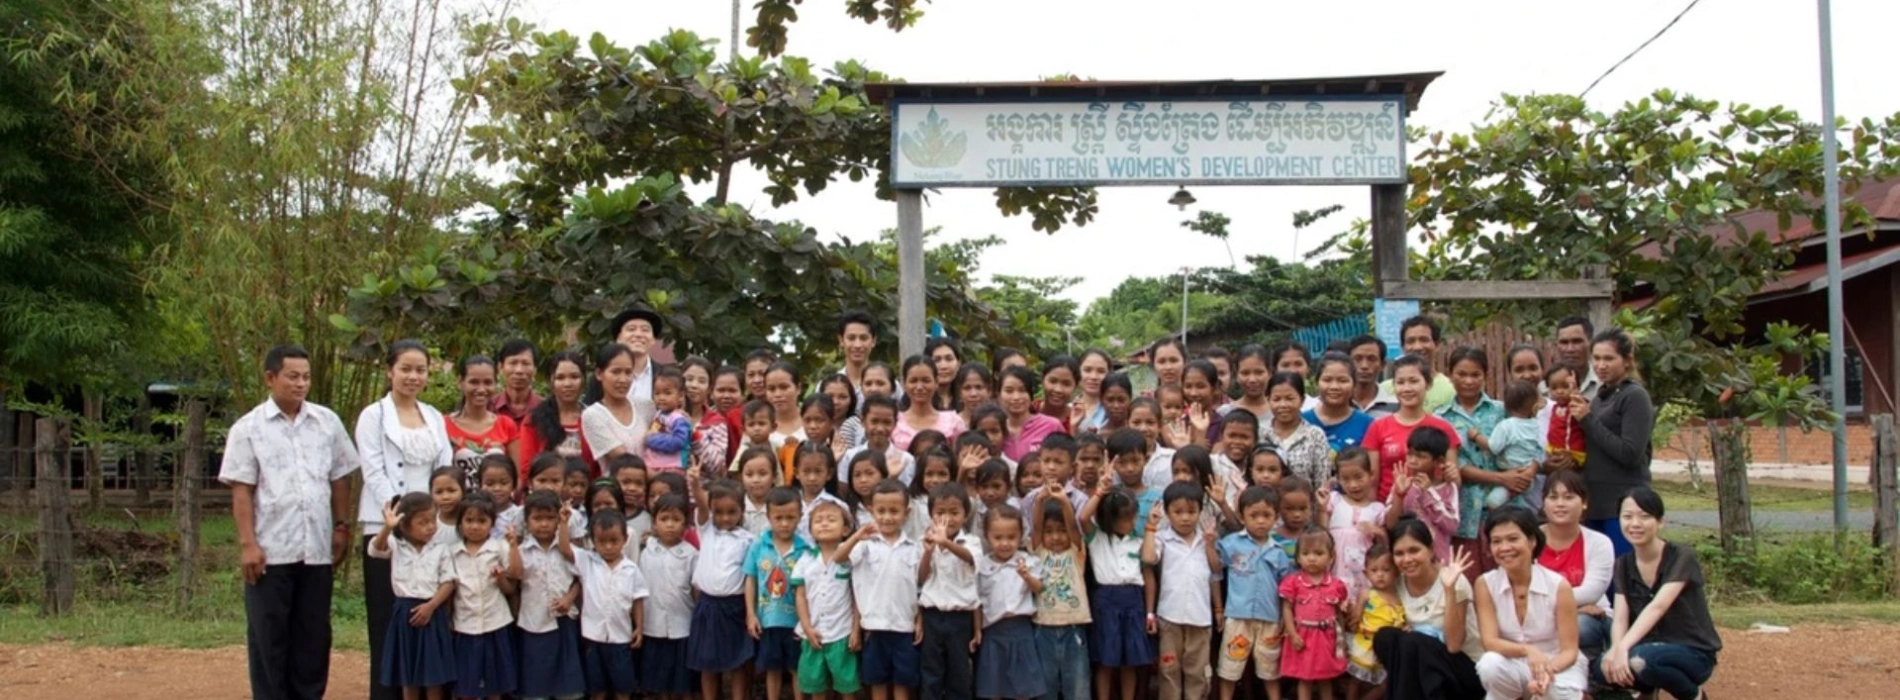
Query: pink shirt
{"x": 1035, "y": 429}
{"x": 948, "y": 423}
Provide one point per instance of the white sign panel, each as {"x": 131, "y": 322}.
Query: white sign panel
{"x": 1314, "y": 141}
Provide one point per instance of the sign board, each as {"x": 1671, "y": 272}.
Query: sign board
{"x": 1282, "y": 141}
{"x": 1387, "y": 317}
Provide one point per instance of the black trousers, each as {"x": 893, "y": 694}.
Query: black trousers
{"x": 379, "y": 599}
{"x": 287, "y": 630}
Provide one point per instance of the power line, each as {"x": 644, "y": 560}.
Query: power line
{"x": 1639, "y": 49}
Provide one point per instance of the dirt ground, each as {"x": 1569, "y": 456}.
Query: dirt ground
{"x": 1814, "y": 661}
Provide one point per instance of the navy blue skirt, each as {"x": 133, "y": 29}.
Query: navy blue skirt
{"x": 718, "y": 642}
{"x": 418, "y": 657}
{"x": 485, "y": 664}
{"x": 778, "y": 650}
{"x": 1118, "y": 637}
{"x": 1009, "y": 663}
{"x": 609, "y": 667}
{"x": 663, "y": 668}
{"x": 551, "y": 662}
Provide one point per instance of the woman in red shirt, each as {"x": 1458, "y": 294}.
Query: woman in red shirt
{"x": 555, "y": 424}
{"x": 1581, "y": 555}
{"x": 1411, "y": 377}
{"x": 474, "y": 431}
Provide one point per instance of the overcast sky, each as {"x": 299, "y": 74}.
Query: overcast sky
{"x": 1752, "y": 51}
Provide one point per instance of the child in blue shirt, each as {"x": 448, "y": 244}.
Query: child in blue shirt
{"x": 1255, "y": 564}
{"x": 771, "y": 609}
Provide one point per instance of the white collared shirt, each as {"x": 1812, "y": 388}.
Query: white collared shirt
{"x": 827, "y": 589}
{"x": 1158, "y": 472}
{"x": 721, "y": 567}
{"x": 917, "y": 521}
{"x": 446, "y": 535}
{"x": 480, "y": 606}
{"x": 884, "y": 582}
{"x": 291, "y": 462}
{"x": 1115, "y": 560}
{"x": 979, "y": 509}
{"x": 604, "y": 432}
{"x": 413, "y": 572}
{"x": 608, "y": 592}
{"x": 1185, "y": 575}
{"x": 1005, "y": 593}
{"x": 758, "y": 520}
{"x": 517, "y": 517}
{"x": 669, "y": 575}
{"x": 952, "y": 583}
{"x": 546, "y": 577}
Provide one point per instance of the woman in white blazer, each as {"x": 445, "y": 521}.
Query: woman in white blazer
{"x": 400, "y": 440}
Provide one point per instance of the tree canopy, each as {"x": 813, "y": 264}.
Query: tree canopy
{"x": 1548, "y": 185}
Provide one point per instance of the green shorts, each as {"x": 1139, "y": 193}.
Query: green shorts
{"x": 833, "y": 667}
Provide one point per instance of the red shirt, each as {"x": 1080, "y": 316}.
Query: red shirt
{"x": 1387, "y": 437}
{"x": 1566, "y": 433}
{"x": 470, "y": 448}
{"x": 519, "y": 414}
{"x": 575, "y": 445}
{"x": 1566, "y": 562}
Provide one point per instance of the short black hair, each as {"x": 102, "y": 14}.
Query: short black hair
{"x": 1126, "y": 441}
{"x": 612, "y": 465}
{"x": 1429, "y": 440}
{"x": 1524, "y": 519}
{"x": 948, "y": 491}
{"x": 753, "y": 408}
{"x": 991, "y": 469}
{"x": 1240, "y": 417}
{"x": 1647, "y": 500}
{"x": 1359, "y": 340}
{"x": 1520, "y": 396}
{"x": 673, "y": 502}
{"x": 760, "y": 355}
{"x": 513, "y": 347}
{"x": 608, "y": 520}
{"x": 879, "y": 401}
{"x": 1291, "y": 346}
{"x": 1420, "y": 320}
{"x": 859, "y": 316}
{"x": 1183, "y": 491}
{"x": 671, "y": 375}
{"x": 1589, "y": 329}
{"x": 1059, "y": 442}
{"x": 1424, "y": 366}
{"x": 1259, "y": 494}
{"x": 541, "y": 500}
{"x": 781, "y": 495}
{"x": 274, "y": 360}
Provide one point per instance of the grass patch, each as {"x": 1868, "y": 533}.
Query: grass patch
{"x": 127, "y": 596}
{"x": 1741, "y": 616}
{"x": 1680, "y": 496}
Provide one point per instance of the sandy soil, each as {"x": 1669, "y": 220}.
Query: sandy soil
{"x": 1812, "y": 661}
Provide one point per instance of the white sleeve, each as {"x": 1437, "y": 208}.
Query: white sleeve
{"x": 343, "y": 456}
{"x": 1599, "y": 560}
{"x": 240, "y": 461}
{"x": 369, "y": 445}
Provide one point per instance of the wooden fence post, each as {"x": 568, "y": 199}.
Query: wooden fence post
{"x": 185, "y": 504}
{"x": 56, "y": 517}
{"x": 95, "y": 472}
{"x": 1886, "y": 481}
{"x": 12, "y": 460}
{"x": 143, "y": 461}
{"x": 1728, "y": 440}
{"x": 24, "y": 444}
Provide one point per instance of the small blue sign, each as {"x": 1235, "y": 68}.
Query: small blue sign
{"x": 1387, "y": 316}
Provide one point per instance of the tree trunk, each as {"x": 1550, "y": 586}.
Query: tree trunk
{"x": 1887, "y": 497}
{"x": 1728, "y": 442}
{"x": 1781, "y": 442}
{"x": 95, "y": 472}
{"x": 185, "y": 504}
{"x": 56, "y": 517}
{"x": 143, "y": 462}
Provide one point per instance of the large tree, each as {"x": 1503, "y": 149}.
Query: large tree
{"x": 78, "y": 228}
{"x": 1548, "y": 185}
{"x": 599, "y": 141}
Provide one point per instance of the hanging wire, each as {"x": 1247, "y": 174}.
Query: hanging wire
{"x": 1639, "y": 49}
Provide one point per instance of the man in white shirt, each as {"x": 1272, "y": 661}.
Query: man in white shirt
{"x": 287, "y": 462}
{"x": 638, "y": 328}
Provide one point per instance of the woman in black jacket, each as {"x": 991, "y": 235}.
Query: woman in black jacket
{"x": 1616, "y": 426}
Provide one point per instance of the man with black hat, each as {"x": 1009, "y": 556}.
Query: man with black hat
{"x": 638, "y": 328}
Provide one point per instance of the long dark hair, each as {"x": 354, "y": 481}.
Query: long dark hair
{"x": 545, "y": 419}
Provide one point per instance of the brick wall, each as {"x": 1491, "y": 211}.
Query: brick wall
{"x": 1803, "y": 448}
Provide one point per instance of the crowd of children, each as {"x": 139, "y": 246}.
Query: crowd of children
{"x": 870, "y": 538}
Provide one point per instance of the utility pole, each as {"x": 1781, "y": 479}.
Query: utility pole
{"x": 1836, "y": 352}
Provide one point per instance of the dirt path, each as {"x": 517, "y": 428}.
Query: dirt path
{"x": 1812, "y": 661}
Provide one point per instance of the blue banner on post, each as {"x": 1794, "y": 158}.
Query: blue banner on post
{"x": 1387, "y": 316}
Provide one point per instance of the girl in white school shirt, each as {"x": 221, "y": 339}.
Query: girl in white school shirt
{"x": 484, "y": 646}
{"x": 668, "y": 561}
{"x": 718, "y": 646}
{"x": 1008, "y": 663}
{"x": 550, "y": 632}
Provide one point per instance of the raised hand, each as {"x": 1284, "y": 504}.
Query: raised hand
{"x": 513, "y": 536}
{"x": 1154, "y": 519}
{"x": 1199, "y": 419}
{"x": 391, "y": 517}
{"x": 1449, "y": 573}
{"x": 1022, "y": 569}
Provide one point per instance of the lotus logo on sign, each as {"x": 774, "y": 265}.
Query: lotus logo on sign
{"x": 932, "y": 144}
